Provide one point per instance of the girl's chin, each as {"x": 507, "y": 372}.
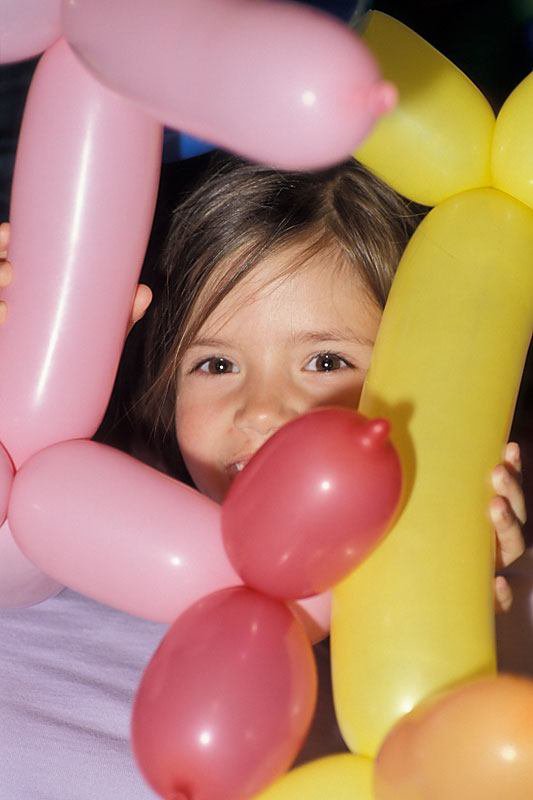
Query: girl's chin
{"x": 215, "y": 491}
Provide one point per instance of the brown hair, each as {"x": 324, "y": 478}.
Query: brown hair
{"x": 251, "y": 211}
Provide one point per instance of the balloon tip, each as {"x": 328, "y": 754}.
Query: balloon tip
{"x": 376, "y": 432}
{"x": 383, "y": 97}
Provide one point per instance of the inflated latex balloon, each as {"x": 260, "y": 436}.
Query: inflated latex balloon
{"x": 438, "y": 140}
{"x": 311, "y": 503}
{"x": 445, "y": 369}
{"x": 117, "y": 530}
{"x": 339, "y": 777}
{"x": 21, "y": 582}
{"x": 226, "y": 701}
{"x": 27, "y": 27}
{"x": 114, "y": 529}
{"x": 84, "y": 189}
{"x": 6, "y": 479}
{"x": 283, "y": 84}
{"x": 512, "y": 155}
{"x": 472, "y": 743}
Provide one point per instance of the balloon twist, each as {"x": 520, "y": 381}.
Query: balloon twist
{"x": 417, "y": 616}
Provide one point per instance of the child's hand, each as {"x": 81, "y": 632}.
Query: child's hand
{"x": 508, "y": 514}
{"x": 143, "y": 294}
{"x": 5, "y": 267}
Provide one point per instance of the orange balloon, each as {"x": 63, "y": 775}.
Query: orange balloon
{"x": 472, "y": 743}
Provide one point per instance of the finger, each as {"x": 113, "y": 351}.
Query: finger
{"x": 4, "y": 238}
{"x": 3, "y": 312}
{"x": 510, "y": 539}
{"x": 503, "y": 595}
{"x": 507, "y": 485}
{"x": 513, "y": 459}
{"x": 6, "y": 274}
{"x": 143, "y": 298}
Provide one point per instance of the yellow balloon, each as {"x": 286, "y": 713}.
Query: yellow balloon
{"x": 437, "y": 141}
{"x": 512, "y": 153}
{"x": 340, "y": 777}
{"x": 417, "y": 616}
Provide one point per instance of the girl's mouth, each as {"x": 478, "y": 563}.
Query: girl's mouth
{"x": 238, "y": 465}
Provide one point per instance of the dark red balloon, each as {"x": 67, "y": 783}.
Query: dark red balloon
{"x": 226, "y": 701}
{"x": 312, "y": 503}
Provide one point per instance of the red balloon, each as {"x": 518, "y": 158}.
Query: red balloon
{"x": 311, "y": 503}
{"x": 227, "y": 699}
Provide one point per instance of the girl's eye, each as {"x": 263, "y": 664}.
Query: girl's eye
{"x": 327, "y": 362}
{"x": 216, "y": 366}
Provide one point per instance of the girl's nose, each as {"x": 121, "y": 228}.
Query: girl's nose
{"x": 262, "y": 411}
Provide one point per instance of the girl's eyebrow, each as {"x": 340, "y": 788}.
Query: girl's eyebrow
{"x": 206, "y": 342}
{"x": 332, "y": 335}
{"x": 303, "y": 337}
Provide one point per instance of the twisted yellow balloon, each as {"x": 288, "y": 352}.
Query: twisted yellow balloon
{"x": 417, "y": 616}
{"x": 339, "y": 777}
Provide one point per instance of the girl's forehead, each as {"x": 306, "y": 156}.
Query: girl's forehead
{"x": 287, "y": 288}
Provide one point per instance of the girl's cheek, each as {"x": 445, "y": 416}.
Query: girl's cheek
{"x": 199, "y": 442}
{"x": 336, "y": 391}
{"x": 198, "y": 424}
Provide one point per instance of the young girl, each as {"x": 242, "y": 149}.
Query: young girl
{"x": 271, "y": 287}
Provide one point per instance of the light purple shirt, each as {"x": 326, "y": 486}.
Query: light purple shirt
{"x": 69, "y": 669}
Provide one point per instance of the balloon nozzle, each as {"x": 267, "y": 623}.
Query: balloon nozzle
{"x": 375, "y": 433}
{"x": 382, "y": 98}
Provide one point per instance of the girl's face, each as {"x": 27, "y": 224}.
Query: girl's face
{"x": 276, "y": 347}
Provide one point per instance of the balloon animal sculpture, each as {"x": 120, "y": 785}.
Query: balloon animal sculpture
{"x": 415, "y": 618}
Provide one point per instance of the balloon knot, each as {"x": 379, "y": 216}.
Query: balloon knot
{"x": 376, "y": 432}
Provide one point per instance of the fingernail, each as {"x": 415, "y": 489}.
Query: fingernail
{"x": 499, "y": 476}
{"x": 513, "y": 454}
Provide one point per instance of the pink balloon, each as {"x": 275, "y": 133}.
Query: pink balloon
{"x": 226, "y": 701}
{"x": 84, "y": 189}
{"x": 108, "y": 526}
{"x": 279, "y": 82}
{"x": 6, "y": 479}
{"x": 312, "y": 502}
{"x": 27, "y": 27}
{"x": 117, "y": 530}
{"x": 21, "y": 582}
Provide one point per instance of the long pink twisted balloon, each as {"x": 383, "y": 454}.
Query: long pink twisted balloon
{"x": 275, "y": 82}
